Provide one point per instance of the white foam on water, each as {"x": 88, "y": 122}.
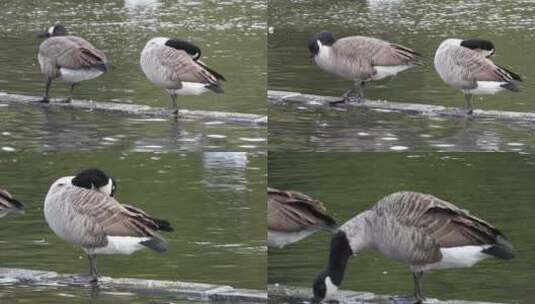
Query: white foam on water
{"x": 248, "y": 146}
{"x": 216, "y": 136}
{"x": 6, "y": 133}
{"x": 8, "y": 149}
{"x": 389, "y": 138}
{"x": 399, "y": 148}
{"x": 110, "y": 139}
{"x": 515, "y": 144}
{"x": 213, "y": 123}
{"x": 251, "y": 139}
{"x": 363, "y": 134}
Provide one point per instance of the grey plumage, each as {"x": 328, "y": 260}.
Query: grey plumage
{"x": 420, "y": 230}
{"x": 9, "y": 205}
{"x": 175, "y": 66}
{"x": 467, "y": 67}
{"x": 98, "y": 223}
{"x": 70, "y": 59}
{"x": 361, "y": 58}
{"x": 292, "y": 216}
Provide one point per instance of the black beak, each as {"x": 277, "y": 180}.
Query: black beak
{"x": 43, "y": 35}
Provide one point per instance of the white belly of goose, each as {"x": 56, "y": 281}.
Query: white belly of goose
{"x": 191, "y": 88}
{"x": 487, "y": 87}
{"x": 457, "y": 257}
{"x": 120, "y": 245}
{"x": 73, "y": 76}
{"x": 386, "y": 71}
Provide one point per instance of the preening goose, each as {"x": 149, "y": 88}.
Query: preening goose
{"x": 69, "y": 58}
{"x": 293, "y": 216}
{"x": 9, "y": 205}
{"x": 465, "y": 65}
{"x": 418, "y": 229}
{"x": 360, "y": 59}
{"x": 174, "y": 65}
{"x": 81, "y": 210}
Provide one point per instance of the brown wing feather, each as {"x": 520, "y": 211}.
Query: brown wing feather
{"x": 182, "y": 67}
{"x": 72, "y": 52}
{"x": 292, "y": 211}
{"x": 478, "y": 67}
{"x": 445, "y": 223}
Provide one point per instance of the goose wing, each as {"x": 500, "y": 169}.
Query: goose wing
{"x": 74, "y": 53}
{"x": 476, "y": 67}
{"x": 444, "y": 223}
{"x": 100, "y": 215}
{"x": 376, "y": 51}
{"x": 292, "y": 211}
{"x": 180, "y": 66}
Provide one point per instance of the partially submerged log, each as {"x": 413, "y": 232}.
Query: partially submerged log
{"x": 135, "y": 109}
{"x": 287, "y": 294}
{"x": 410, "y": 108}
{"x": 174, "y": 289}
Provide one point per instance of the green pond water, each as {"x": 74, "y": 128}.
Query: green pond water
{"x": 215, "y": 201}
{"x": 421, "y": 25}
{"x": 494, "y": 186}
{"x": 231, "y": 35}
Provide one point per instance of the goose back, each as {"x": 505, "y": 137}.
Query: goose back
{"x": 414, "y": 227}
{"x": 70, "y": 52}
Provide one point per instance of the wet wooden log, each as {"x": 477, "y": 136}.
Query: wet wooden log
{"x": 288, "y": 294}
{"x": 174, "y": 289}
{"x": 135, "y": 109}
{"x": 410, "y": 108}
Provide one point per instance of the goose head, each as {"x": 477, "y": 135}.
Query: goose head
{"x": 324, "y": 38}
{"x": 95, "y": 179}
{"x": 54, "y": 31}
{"x": 482, "y": 46}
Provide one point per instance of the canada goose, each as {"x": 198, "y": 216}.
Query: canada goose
{"x": 81, "y": 210}
{"x": 68, "y": 58}
{"x": 293, "y": 216}
{"x": 418, "y": 229}
{"x": 360, "y": 59}
{"x": 9, "y": 205}
{"x": 464, "y": 64}
{"x": 174, "y": 65}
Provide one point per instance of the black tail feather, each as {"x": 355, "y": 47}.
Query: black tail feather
{"x": 155, "y": 244}
{"x": 511, "y": 86}
{"x": 500, "y": 252}
{"x": 164, "y": 225}
{"x": 215, "y": 88}
{"x": 103, "y": 66}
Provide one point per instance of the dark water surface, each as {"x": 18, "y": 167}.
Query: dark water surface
{"x": 495, "y": 186}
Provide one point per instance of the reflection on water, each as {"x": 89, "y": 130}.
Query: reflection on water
{"x": 494, "y": 186}
{"x": 310, "y": 128}
{"x": 214, "y": 202}
{"x": 421, "y": 25}
{"x": 48, "y": 129}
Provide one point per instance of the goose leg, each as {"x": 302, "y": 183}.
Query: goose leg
{"x": 469, "y": 107}
{"x": 174, "y": 106}
{"x": 350, "y": 95}
{"x": 418, "y": 287}
{"x": 68, "y": 100}
{"x": 47, "y": 90}
{"x": 93, "y": 268}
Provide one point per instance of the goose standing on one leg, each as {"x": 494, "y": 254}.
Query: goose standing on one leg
{"x": 69, "y": 58}
{"x": 9, "y": 205}
{"x": 293, "y": 216}
{"x": 81, "y": 210}
{"x": 174, "y": 65}
{"x": 418, "y": 229}
{"x": 464, "y": 64}
{"x": 360, "y": 59}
